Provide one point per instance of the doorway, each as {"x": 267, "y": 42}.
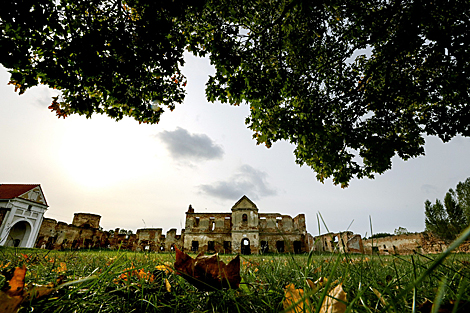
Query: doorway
{"x": 19, "y": 235}
{"x": 245, "y": 246}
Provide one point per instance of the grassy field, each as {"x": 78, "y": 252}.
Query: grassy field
{"x": 119, "y": 281}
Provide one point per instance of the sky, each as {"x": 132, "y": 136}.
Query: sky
{"x": 137, "y": 175}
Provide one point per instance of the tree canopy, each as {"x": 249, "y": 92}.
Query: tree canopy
{"x": 350, "y": 83}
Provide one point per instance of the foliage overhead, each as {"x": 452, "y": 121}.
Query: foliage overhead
{"x": 350, "y": 83}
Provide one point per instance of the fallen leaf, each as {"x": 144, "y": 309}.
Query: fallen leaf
{"x": 316, "y": 285}
{"x": 16, "y": 293}
{"x": 379, "y": 295}
{"x": 295, "y": 296}
{"x": 164, "y": 268}
{"x": 335, "y": 301}
{"x": 167, "y": 285}
{"x": 208, "y": 272}
{"x": 61, "y": 268}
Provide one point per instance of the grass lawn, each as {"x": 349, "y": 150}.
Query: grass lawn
{"x": 120, "y": 281}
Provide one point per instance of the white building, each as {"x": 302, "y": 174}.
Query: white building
{"x": 22, "y": 208}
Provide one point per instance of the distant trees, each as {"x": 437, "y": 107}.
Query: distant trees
{"x": 380, "y": 235}
{"x": 401, "y": 231}
{"x": 447, "y": 220}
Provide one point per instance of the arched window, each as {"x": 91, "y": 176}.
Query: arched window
{"x": 244, "y": 218}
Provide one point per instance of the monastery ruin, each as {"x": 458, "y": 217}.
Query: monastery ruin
{"x": 243, "y": 230}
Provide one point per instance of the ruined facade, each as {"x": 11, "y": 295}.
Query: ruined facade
{"x": 344, "y": 242}
{"x": 411, "y": 243}
{"x": 245, "y": 231}
{"x": 394, "y": 244}
{"x": 85, "y": 233}
{"x": 22, "y": 208}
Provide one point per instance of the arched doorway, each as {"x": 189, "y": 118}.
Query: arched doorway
{"x": 19, "y": 235}
{"x": 245, "y": 246}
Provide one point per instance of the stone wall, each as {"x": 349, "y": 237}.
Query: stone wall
{"x": 86, "y": 220}
{"x": 410, "y": 243}
{"x": 399, "y": 244}
{"x": 85, "y": 233}
{"x": 245, "y": 231}
{"x": 338, "y": 242}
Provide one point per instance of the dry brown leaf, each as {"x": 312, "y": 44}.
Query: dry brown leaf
{"x": 316, "y": 285}
{"x": 16, "y": 292}
{"x": 208, "y": 272}
{"x": 335, "y": 301}
{"x": 379, "y": 295}
{"x": 295, "y": 296}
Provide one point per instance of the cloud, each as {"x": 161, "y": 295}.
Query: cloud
{"x": 247, "y": 181}
{"x": 429, "y": 189}
{"x": 183, "y": 145}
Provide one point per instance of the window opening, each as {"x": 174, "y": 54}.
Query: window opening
{"x": 194, "y": 246}
{"x": 245, "y": 246}
{"x": 210, "y": 245}
{"x": 264, "y": 246}
{"x": 297, "y": 246}
{"x": 227, "y": 246}
{"x": 244, "y": 219}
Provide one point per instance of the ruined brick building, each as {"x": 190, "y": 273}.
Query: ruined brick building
{"x": 85, "y": 232}
{"x": 245, "y": 231}
{"x": 342, "y": 242}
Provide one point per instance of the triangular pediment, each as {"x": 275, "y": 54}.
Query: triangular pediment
{"x": 245, "y": 203}
{"x": 34, "y": 194}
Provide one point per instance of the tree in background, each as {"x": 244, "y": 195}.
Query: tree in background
{"x": 400, "y": 231}
{"x": 380, "y": 235}
{"x": 463, "y": 197}
{"x": 350, "y": 83}
{"x": 446, "y": 220}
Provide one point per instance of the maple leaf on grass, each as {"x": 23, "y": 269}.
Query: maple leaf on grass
{"x": 296, "y": 301}
{"x": 15, "y": 292}
{"x": 295, "y": 296}
{"x": 208, "y": 272}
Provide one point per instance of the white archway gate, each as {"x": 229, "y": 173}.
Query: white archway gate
{"x": 19, "y": 235}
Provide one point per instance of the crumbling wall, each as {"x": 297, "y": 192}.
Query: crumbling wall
{"x": 85, "y": 233}
{"x": 281, "y": 233}
{"x": 244, "y": 231}
{"x": 150, "y": 239}
{"x": 172, "y": 239}
{"x": 208, "y": 232}
{"x": 399, "y": 244}
{"x": 86, "y": 220}
{"x": 338, "y": 242}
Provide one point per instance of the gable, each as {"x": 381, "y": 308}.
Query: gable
{"x": 244, "y": 203}
{"x": 31, "y": 192}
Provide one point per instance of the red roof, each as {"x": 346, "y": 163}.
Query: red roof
{"x": 11, "y": 191}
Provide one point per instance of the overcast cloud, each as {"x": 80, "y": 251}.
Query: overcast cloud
{"x": 247, "y": 181}
{"x": 183, "y": 145}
